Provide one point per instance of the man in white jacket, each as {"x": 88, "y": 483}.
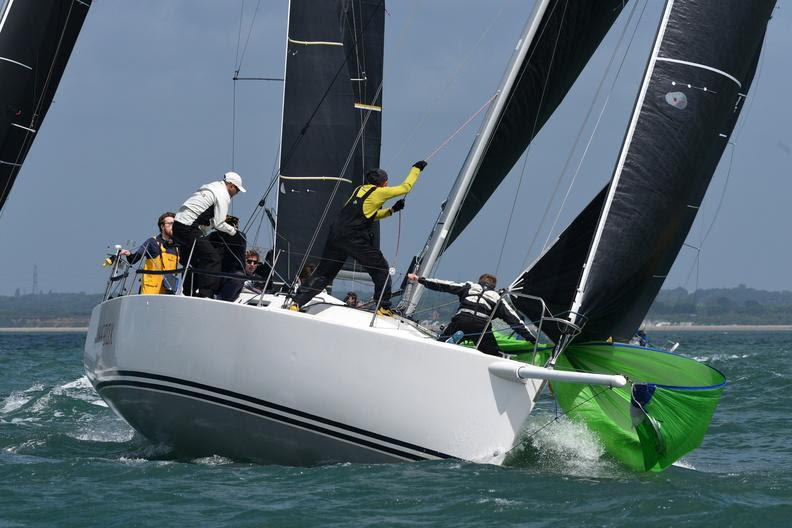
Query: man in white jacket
{"x": 207, "y": 208}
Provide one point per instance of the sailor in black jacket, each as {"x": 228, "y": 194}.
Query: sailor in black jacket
{"x": 479, "y": 303}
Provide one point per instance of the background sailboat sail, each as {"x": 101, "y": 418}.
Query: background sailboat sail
{"x": 696, "y": 82}
{"x": 555, "y": 46}
{"x": 333, "y": 80}
{"x": 36, "y": 39}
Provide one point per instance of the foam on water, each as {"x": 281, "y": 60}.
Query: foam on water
{"x": 214, "y": 460}
{"x": 569, "y": 448}
{"x": 17, "y": 399}
{"x": 682, "y": 463}
{"x": 119, "y": 435}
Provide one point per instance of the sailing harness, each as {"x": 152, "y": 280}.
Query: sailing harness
{"x": 351, "y": 218}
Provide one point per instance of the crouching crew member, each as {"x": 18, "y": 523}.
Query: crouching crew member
{"x": 352, "y": 234}
{"x": 160, "y": 254}
{"x": 207, "y": 208}
{"x": 476, "y": 304}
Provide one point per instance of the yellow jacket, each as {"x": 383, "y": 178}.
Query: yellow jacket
{"x": 372, "y": 206}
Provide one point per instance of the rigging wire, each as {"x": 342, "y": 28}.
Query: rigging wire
{"x": 579, "y": 136}
{"x": 298, "y": 140}
{"x": 696, "y": 265}
{"x": 533, "y": 135}
{"x": 434, "y": 104}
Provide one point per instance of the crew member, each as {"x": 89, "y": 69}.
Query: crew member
{"x": 205, "y": 209}
{"x": 352, "y": 234}
{"x": 479, "y": 303}
{"x": 161, "y": 254}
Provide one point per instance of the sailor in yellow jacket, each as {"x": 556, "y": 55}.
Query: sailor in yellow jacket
{"x": 161, "y": 254}
{"x": 352, "y": 235}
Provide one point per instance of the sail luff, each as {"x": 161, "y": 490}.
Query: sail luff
{"x": 280, "y": 136}
{"x": 699, "y": 79}
{"x": 437, "y": 239}
{"x": 580, "y": 290}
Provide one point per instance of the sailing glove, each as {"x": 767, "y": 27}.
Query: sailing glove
{"x": 420, "y": 165}
{"x": 398, "y": 206}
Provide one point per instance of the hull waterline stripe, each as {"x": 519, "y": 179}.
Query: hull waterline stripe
{"x": 262, "y": 413}
{"x": 274, "y": 406}
{"x": 702, "y": 66}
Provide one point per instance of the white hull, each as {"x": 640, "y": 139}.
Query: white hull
{"x": 275, "y": 386}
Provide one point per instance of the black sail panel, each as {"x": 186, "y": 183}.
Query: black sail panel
{"x": 707, "y": 58}
{"x": 569, "y": 33}
{"x": 333, "y": 81}
{"x": 36, "y": 39}
{"x": 555, "y": 275}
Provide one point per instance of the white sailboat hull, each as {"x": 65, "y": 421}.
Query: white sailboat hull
{"x": 275, "y": 386}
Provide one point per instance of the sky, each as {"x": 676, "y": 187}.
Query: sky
{"x": 145, "y": 114}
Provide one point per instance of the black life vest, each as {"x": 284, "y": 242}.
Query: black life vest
{"x": 205, "y": 218}
{"x": 351, "y": 218}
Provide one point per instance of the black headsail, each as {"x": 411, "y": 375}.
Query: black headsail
{"x": 569, "y": 33}
{"x": 333, "y": 86}
{"x": 698, "y": 76}
{"x": 558, "y": 41}
{"x": 36, "y": 39}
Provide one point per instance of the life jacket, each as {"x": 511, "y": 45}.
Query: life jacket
{"x": 478, "y": 301}
{"x": 154, "y": 284}
{"x": 351, "y": 217}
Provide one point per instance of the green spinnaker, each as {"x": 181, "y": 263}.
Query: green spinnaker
{"x": 682, "y": 395}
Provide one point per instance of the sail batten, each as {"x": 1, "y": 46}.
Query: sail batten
{"x": 331, "y": 114}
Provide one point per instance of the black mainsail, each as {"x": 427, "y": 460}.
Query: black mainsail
{"x": 698, "y": 76}
{"x": 36, "y": 39}
{"x": 331, "y": 108}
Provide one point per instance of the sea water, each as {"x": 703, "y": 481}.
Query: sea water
{"x": 67, "y": 460}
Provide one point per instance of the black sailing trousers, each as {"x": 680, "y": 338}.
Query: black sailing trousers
{"x": 358, "y": 245}
{"x": 472, "y": 326}
{"x": 204, "y": 257}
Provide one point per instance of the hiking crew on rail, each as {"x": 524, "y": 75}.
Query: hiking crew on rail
{"x": 479, "y": 303}
{"x": 352, "y": 234}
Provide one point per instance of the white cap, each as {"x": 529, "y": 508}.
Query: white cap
{"x": 236, "y": 179}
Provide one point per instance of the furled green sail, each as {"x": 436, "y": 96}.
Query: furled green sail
{"x": 660, "y": 416}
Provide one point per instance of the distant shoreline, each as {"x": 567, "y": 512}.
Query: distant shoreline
{"x": 648, "y": 328}
{"x": 718, "y": 328}
{"x": 45, "y": 330}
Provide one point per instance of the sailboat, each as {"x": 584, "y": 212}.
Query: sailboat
{"x": 36, "y": 40}
{"x": 253, "y": 381}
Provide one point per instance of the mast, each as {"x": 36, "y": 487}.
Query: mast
{"x": 427, "y": 261}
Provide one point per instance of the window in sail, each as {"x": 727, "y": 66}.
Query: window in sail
{"x": 677, "y": 100}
